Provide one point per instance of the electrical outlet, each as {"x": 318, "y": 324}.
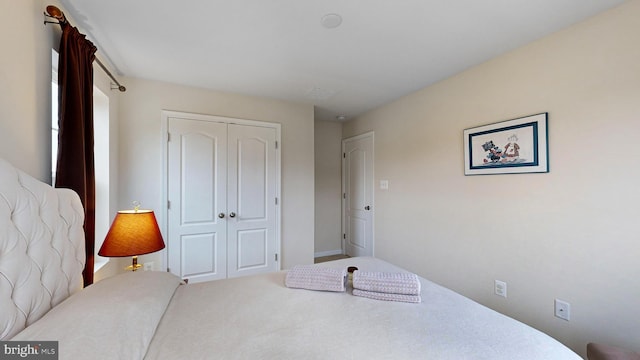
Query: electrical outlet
{"x": 148, "y": 266}
{"x": 562, "y": 309}
{"x": 500, "y": 288}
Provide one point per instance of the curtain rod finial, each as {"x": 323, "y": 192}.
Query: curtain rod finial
{"x": 54, "y": 12}
{"x": 119, "y": 87}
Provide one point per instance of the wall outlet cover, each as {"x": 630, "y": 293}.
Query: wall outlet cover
{"x": 500, "y": 288}
{"x": 562, "y": 309}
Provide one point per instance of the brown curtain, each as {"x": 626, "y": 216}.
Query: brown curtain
{"x": 75, "y": 169}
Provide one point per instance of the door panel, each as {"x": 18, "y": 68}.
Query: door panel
{"x": 358, "y": 195}
{"x": 357, "y": 233}
{"x": 198, "y": 178}
{"x": 252, "y": 178}
{"x": 252, "y": 195}
{"x": 252, "y": 249}
{"x": 198, "y": 254}
{"x": 196, "y": 181}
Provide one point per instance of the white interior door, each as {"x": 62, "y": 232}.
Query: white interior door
{"x": 222, "y": 190}
{"x": 197, "y": 194}
{"x": 252, "y": 200}
{"x": 358, "y": 195}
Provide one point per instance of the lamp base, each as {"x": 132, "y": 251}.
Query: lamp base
{"x": 134, "y": 264}
{"x": 132, "y": 268}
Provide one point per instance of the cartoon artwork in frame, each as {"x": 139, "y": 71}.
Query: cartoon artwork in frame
{"x": 508, "y": 147}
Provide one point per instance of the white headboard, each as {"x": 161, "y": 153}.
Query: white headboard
{"x": 41, "y": 248}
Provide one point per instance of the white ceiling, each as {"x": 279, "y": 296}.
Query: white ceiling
{"x": 383, "y": 49}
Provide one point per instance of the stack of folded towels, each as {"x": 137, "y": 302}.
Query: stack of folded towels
{"x": 387, "y": 286}
{"x": 316, "y": 278}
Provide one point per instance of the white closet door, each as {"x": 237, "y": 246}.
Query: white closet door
{"x": 197, "y": 193}
{"x": 222, "y": 190}
{"x": 251, "y": 226}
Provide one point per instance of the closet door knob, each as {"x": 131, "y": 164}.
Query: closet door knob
{"x": 367, "y": 207}
{"x": 221, "y": 215}
{"x": 232, "y": 214}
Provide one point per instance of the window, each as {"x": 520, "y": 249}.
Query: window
{"x": 101, "y": 159}
{"x": 54, "y": 115}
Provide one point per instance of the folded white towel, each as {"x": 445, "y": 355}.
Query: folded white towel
{"x": 391, "y": 283}
{"x": 316, "y": 278}
{"x": 387, "y": 296}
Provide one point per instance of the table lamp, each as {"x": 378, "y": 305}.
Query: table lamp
{"x": 133, "y": 232}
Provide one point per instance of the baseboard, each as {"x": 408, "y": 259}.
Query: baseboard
{"x": 327, "y": 253}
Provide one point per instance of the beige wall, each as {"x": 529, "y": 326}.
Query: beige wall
{"x": 328, "y": 187}
{"x": 141, "y": 156}
{"x": 571, "y": 233}
{"x": 25, "y": 88}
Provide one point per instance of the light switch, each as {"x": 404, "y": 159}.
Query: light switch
{"x": 384, "y": 184}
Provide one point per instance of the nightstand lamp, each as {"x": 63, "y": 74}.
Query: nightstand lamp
{"x": 133, "y": 232}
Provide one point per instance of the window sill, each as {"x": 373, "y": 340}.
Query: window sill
{"x": 99, "y": 263}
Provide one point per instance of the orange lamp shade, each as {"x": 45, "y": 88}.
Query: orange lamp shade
{"x": 133, "y": 232}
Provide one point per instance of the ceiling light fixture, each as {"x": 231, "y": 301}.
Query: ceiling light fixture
{"x": 331, "y": 21}
{"x": 341, "y": 117}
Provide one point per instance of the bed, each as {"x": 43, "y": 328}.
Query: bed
{"x": 154, "y": 315}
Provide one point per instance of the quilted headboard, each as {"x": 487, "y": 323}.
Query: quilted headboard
{"x": 41, "y": 248}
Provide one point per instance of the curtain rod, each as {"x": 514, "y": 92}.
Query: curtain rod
{"x": 55, "y": 13}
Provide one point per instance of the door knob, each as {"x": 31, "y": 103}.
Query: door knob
{"x": 221, "y": 215}
{"x": 232, "y": 214}
{"x": 367, "y": 207}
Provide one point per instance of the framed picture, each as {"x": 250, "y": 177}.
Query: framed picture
{"x": 508, "y": 147}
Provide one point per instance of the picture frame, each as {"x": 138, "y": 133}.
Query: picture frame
{"x": 508, "y": 147}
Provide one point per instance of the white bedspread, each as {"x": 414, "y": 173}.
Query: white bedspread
{"x": 259, "y": 318}
{"x": 148, "y": 314}
{"x": 112, "y": 319}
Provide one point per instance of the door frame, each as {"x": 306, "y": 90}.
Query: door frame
{"x": 369, "y": 134}
{"x": 164, "y": 213}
